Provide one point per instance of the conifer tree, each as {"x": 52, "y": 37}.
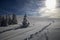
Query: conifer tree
{"x": 14, "y": 19}
{"x": 6, "y": 19}
{"x": 0, "y": 20}
{"x": 25, "y": 23}
{"x": 3, "y": 21}
{"x": 9, "y": 20}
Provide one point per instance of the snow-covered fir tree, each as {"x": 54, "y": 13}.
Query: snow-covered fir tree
{"x": 3, "y": 21}
{"x": 9, "y": 20}
{"x": 14, "y": 19}
{"x": 25, "y": 22}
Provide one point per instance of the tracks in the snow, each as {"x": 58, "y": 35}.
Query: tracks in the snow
{"x": 9, "y": 30}
{"x": 38, "y": 32}
{"x": 45, "y": 27}
{"x": 17, "y": 34}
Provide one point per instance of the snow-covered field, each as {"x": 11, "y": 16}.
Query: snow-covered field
{"x": 39, "y": 29}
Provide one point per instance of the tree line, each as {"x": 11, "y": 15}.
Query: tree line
{"x": 6, "y": 20}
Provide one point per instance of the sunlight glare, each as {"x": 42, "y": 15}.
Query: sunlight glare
{"x": 50, "y": 4}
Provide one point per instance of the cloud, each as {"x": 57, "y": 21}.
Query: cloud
{"x": 55, "y": 13}
{"x": 31, "y": 6}
{"x": 58, "y": 4}
{"x": 51, "y": 13}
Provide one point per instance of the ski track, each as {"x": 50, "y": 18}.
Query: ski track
{"x": 37, "y": 27}
{"x": 51, "y": 33}
{"x": 12, "y": 36}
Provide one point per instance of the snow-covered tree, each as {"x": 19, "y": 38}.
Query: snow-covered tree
{"x": 9, "y": 20}
{"x": 25, "y": 23}
{"x": 3, "y": 21}
{"x": 14, "y": 19}
{"x": 0, "y": 20}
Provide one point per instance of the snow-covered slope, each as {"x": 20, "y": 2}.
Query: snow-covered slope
{"x": 36, "y": 25}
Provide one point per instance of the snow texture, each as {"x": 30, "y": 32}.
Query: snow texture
{"x": 39, "y": 29}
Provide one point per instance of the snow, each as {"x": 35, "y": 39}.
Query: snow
{"x": 31, "y": 32}
{"x": 8, "y": 27}
{"x": 52, "y": 32}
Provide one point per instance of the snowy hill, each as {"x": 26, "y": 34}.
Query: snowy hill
{"x": 36, "y": 25}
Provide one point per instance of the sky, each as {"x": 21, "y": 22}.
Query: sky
{"x": 30, "y": 7}
{"x": 19, "y": 6}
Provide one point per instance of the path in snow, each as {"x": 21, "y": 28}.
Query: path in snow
{"x": 50, "y": 33}
{"x": 21, "y": 34}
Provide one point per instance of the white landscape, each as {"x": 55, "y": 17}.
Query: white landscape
{"x": 14, "y": 26}
{"x": 39, "y": 29}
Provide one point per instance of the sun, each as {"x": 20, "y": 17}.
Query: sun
{"x": 50, "y": 4}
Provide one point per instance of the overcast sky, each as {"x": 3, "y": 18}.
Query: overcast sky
{"x": 20, "y": 7}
